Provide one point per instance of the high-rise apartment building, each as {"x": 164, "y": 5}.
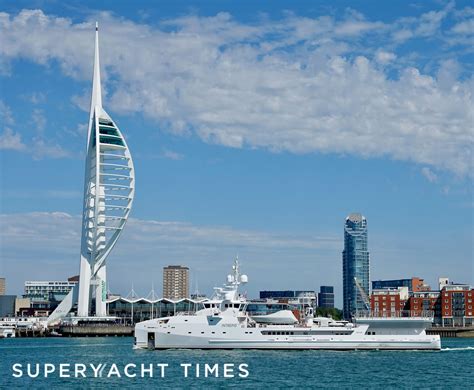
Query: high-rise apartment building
{"x": 175, "y": 282}
{"x": 355, "y": 260}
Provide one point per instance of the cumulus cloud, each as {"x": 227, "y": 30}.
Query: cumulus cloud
{"x": 385, "y": 57}
{"x": 299, "y": 84}
{"x": 464, "y": 27}
{"x": 11, "y": 141}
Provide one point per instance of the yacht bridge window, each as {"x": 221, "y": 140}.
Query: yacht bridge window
{"x": 266, "y": 308}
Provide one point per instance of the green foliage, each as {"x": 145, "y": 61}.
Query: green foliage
{"x": 329, "y": 312}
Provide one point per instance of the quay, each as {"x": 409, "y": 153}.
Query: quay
{"x": 96, "y": 330}
{"x": 451, "y": 331}
{"x": 32, "y": 332}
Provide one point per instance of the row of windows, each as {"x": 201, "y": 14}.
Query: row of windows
{"x": 280, "y": 333}
{"x": 304, "y": 333}
{"x": 205, "y": 332}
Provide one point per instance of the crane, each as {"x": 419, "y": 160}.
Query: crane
{"x": 365, "y": 298}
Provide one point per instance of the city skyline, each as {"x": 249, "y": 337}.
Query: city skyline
{"x": 250, "y": 133}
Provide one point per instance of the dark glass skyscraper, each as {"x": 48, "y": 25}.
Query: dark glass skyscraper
{"x": 326, "y": 297}
{"x": 355, "y": 265}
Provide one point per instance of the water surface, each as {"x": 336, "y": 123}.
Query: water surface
{"x": 453, "y": 367}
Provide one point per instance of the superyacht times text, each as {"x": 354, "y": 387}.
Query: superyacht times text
{"x": 130, "y": 370}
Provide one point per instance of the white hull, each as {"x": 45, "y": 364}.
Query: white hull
{"x": 386, "y": 343}
{"x": 194, "y": 332}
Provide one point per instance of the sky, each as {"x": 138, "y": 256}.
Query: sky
{"x": 255, "y": 127}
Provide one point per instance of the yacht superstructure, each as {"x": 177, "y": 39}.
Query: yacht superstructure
{"x": 229, "y": 321}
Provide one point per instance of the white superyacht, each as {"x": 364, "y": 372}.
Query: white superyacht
{"x": 229, "y": 321}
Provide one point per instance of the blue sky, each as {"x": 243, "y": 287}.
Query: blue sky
{"x": 255, "y": 128}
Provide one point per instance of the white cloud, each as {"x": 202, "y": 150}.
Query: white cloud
{"x": 39, "y": 120}
{"x": 385, "y": 57}
{"x": 297, "y": 84}
{"x": 49, "y": 243}
{"x": 6, "y": 116}
{"x": 45, "y": 246}
{"x": 429, "y": 174}
{"x": 427, "y": 25}
{"x": 464, "y": 27}
{"x": 11, "y": 141}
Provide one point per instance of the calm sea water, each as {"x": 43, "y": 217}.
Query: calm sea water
{"x": 451, "y": 368}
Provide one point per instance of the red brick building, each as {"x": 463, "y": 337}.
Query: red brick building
{"x": 457, "y": 305}
{"x": 388, "y": 302}
{"x": 423, "y": 303}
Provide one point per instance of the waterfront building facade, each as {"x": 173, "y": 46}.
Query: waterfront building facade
{"x": 175, "y": 282}
{"x": 457, "y": 305}
{"x": 141, "y": 309}
{"x": 414, "y": 284}
{"x": 421, "y": 302}
{"x": 2, "y": 286}
{"x": 45, "y": 296}
{"x": 326, "y": 297}
{"x": 42, "y": 290}
{"x": 356, "y": 270}
{"x": 389, "y": 302}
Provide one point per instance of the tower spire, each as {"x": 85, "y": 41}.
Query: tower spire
{"x": 96, "y": 100}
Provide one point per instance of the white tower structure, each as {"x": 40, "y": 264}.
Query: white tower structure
{"x": 109, "y": 187}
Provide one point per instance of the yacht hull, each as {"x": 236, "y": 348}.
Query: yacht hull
{"x": 240, "y": 340}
